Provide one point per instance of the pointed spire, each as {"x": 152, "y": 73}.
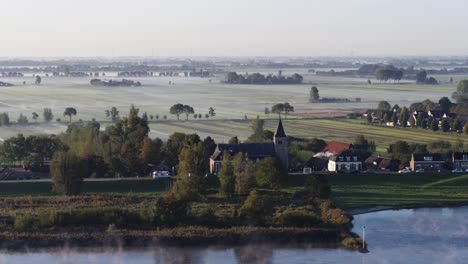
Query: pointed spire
{"x": 280, "y": 130}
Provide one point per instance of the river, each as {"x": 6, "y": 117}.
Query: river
{"x": 427, "y": 235}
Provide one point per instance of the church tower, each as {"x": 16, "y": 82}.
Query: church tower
{"x": 281, "y": 145}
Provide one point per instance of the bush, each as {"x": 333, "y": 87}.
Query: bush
{"x": 25, "y": 222}
{"x": 332, "y": 215}
{"x": 89, "y": 217}
{"x": 299, "y": 217}
{"x": 168, "y": 210}
{"x": 352, "y": 242}
{"x": 318, "y": 186}
{"x": 257, "y": 209}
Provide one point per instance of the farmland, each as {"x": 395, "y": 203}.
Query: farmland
{"x": 232, "y": 104}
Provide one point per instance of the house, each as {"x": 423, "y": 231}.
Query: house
{"x": 333, "y": 148}
{"x": 460, "y": 161}
{"x": 345, "y": 161}
{"x": 427, "y": 162}
{"x": 381, "y": 164}
{"x": 315, "y": 164}
{"x": 255, "y": 151}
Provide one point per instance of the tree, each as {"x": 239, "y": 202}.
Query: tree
{"x": 421, "y": 76}
{"x": 188, "y": 110}
{"x": 35, "y": 116}
{"x": 211, "y": 112}
{"x": 465, "y": 128}
{"x": 67, "y": 172}
{"x": 412, "y": 122}
{"x": 191, "y": 171}
{"x": 257, "y": 125}
{"x": 256, "y": 209}
{"x": 4, "y": 119}
{"x": 22, "y": 119}
{"x": 314, "y": 94}
{"x": 267, "y": 111}
{"x": 445, "y": 125}
{"x": 233, "y": 140}
{"x": 369, "y": 118}
{"x": 315, "y": 145}
{"x": 226, "y": 176}
{"x": 113, "y": 114}
{"x": 419, "y": 120}
{"x": 456, "y": 125}
{"x": 38, "y": 80}
{"x": 69, "y": 111}
{"x": 434, "y": 124}
{"x": 461, "y": 94}
{"x": 47, "y": 114}
{"x": 150, "y": 151}
{"x": 318, "y": 186}
{"x": 404, "y": 117}
{"x": 394, "y": 119}
{"x": 445, "y": 104}
{"x": 177, "y": 110}
{"x": 278, "y": 109}
{"x": 384, "y": 106}
{"x": 243, "y": 173}
{"x": 287, "y": 109}
{"x": 269, "y": 173}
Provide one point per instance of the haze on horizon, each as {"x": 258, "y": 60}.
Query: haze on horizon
{"x": 60, "y": 28}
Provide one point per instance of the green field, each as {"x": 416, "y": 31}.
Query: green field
{"x": 232, "y": 102}
{"x": 350, "y": 191}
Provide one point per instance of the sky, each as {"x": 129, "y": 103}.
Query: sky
{"x": 87, "y": 28}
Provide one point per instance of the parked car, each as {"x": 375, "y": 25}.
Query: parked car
{"x": 420, "y": 170}
{"x": 369, "y": 171}
{"x": 457, "y": 171}
{"x": 161, "y": 174}
{"x": 404, "y": 171}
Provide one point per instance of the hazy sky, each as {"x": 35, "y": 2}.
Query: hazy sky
{"x": 233, "y": 27}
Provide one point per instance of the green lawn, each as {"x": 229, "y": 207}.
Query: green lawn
{"x": 368, "y": 190}
{"x": 26, "y": 188}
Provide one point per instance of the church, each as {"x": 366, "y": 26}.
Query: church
{"x": 255, "y": 151}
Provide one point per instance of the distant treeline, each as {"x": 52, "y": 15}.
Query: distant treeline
{"x": 4, "y": 84}
{"x": 123, "y": 82}
{"x": 12, "y": 74}
{"x": 257, "y": 78}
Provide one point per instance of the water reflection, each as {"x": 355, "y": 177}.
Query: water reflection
{"x": 405, "y": 236}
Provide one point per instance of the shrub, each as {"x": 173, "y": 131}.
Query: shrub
{"x": 256, "y": 209}
{"x": 318, "y": 186}
{"x": 300, "y": 217}
{"x": 332, "y": 215}
{"x": 25, "y": 222}
{"x": 168, "y": 210}
{"x": 352, "y": 242}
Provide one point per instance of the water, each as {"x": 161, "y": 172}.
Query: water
{"x": 435, "y": 235}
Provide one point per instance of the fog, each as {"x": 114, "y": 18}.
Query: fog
{"x": 233, "y": 28}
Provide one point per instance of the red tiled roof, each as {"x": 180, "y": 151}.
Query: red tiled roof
{"x": 336, "y": 147}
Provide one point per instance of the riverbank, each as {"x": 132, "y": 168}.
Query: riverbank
{"x": 358, "y": 211}
{"x": 134, "y": 220}
{"x": 180, "y": 236}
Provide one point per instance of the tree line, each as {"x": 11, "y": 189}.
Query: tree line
{"x": 257, "y": 78}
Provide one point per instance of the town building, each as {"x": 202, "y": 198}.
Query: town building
{"x": 460, "y": 161}
{"x": 346, "y": 161}
{"x": 255, "y": 151}
{"x": 378, "y": 163}
{"x": 426, "y": 162}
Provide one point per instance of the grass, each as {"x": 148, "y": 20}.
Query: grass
{"x": 89, "y": 187}
{"x": 230, "y": 101}
{"x": 351, "y": 191}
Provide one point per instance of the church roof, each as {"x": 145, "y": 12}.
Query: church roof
{"x": 253, "y": 150}
{"x": 280, "y": 130}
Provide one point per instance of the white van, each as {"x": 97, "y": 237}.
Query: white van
{"x": 161, "y": 174}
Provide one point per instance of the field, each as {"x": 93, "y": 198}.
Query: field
{"x": 350, "y": 191}
{"x": 232, "y": 102}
